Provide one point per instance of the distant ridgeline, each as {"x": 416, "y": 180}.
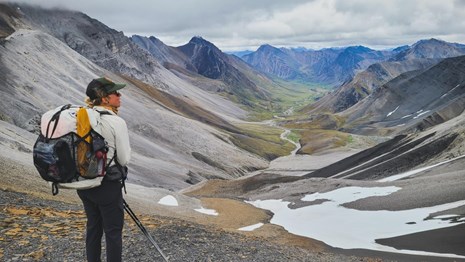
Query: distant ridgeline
{"x": 334, "y": 66}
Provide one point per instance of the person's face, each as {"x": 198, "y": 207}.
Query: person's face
{"x": 113, "y": 99}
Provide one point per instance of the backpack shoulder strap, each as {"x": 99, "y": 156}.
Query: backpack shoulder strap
{"x": 104, "y": 112}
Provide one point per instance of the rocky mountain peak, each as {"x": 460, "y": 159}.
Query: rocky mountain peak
{"x": 156, "y": 40}
{"x": 430, "y": 41}
{"x": 429, "y": 44}
{"x": 200, "y": 41}
{"x": 206, "y": 57}
{"x": 401, "y": 48}
{"x": 274, "y": 61}
{"x": 199, "y": 46}
{"x": 431, "y": 48}
{"x": 268, "y": 48}
{"x": 358, "y": 49}
{"x": 209, "y": 61}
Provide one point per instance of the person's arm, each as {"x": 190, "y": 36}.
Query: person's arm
{"x": 123, "y": 149}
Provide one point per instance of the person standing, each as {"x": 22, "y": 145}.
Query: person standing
{"x": 104, "y": 204}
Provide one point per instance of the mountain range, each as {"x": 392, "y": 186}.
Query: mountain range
{"x": 336, "y": 66}
{"x": 330, "y": 66}
{"x": 201, "y": 58}
{"x": 365, "y": 82}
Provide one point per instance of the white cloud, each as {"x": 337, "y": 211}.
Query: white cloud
{"x": 244, "y": 24}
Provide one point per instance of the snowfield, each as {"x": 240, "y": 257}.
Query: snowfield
{"x": 347, "y": 228}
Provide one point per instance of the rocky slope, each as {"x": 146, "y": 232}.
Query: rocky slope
{"x": 167, "y": 55}
{"x": 413, "y": 101}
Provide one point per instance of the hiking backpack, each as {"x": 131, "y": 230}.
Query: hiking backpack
{"x": 68, "y": 152}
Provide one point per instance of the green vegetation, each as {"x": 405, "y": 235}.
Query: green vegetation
{"x": 285, "y": 98}
{"x": 260, "y": 115}
{"x": 294, "y": 136}
{"x": 295, "y": 94}
{"x": 315, "y": 133}
{"x": 321, "y": 121}
{"x": 315, "y": 140}
{"x": 262, "y": 140}
{"x": 350, "y": 139}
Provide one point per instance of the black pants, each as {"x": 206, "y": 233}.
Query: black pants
{"x": 105, "y": 213}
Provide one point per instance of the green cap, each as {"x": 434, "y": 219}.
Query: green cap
{"x": 103, "y": 84}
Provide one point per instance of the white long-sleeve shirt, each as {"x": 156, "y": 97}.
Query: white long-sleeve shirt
{"x": 115, "y": 131}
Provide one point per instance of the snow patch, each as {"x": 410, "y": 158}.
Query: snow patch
{"x": 420, "y": 114}
{"x": 168, "y": 200}
{"x": 450, "y": 91}
{"x": 211, "y": 212}
{"x": 445, "y": 216}
{"x": 347, "y": 228}
{"x": 251, "y": 227}
{"x": 392, "y": 112}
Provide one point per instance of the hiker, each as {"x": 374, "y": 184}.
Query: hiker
{"x": 104, "y": 204}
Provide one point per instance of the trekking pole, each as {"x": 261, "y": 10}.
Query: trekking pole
{"x": 142, "y": 228}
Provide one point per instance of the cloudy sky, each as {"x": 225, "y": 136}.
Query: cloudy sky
{"x": 246, "y": 24}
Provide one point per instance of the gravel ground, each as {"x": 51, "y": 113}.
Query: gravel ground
{"x": 34, "y": 229}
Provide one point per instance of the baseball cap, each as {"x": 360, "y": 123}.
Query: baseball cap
{"x": 104, "y": 84}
